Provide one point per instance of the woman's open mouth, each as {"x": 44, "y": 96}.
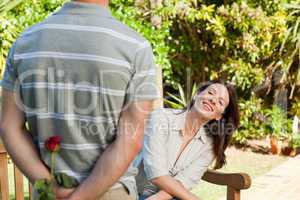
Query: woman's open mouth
{"x": 207, "y": 106}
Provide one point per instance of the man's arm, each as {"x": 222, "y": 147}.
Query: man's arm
{"x": 115, "y": 160}
{"x": 18, "y": 141}
{"x": 19, "y": 144}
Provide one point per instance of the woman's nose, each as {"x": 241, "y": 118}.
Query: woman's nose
{"x": 212, "y": 100}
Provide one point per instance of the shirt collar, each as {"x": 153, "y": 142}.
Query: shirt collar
{"x": 84, "y": 8}
{"x": 178, "y": 122}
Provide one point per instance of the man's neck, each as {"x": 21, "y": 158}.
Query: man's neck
{"x": 103, "y": 3}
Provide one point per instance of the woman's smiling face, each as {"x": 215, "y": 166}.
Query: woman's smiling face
{"x": 212, "y": 102}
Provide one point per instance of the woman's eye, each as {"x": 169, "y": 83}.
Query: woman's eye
{"x": 210, "y": 92}
{"x": 221, "y": 103}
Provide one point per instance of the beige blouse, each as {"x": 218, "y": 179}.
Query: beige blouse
{"x": 163, "y": 139}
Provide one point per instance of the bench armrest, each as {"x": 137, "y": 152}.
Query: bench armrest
{"x": 237, "y": 181}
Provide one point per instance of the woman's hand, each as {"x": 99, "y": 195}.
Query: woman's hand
{"x": 161, "y": 195}
{"x": 151, "y": 198}
{"x": 156, "y": 197}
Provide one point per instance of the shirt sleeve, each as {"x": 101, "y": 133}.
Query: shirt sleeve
{"x": 9, "y": 80}
{"x": 154, "y": 150}
{"x": 143, "y": 84}
{"x": 191, "y": 175}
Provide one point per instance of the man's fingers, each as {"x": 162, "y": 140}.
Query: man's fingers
{"x": 63, "y": 193}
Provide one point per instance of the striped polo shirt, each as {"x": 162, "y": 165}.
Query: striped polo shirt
{"x": 74, "y": 72}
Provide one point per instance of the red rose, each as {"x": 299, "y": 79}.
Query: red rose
{"x": 53, "y": 143}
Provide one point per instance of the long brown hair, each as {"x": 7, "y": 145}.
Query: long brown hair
{"x": 221, "y": 130}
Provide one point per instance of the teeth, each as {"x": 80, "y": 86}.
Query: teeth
{"x": 210, "y": 109}
{"x": 207, "y": 106}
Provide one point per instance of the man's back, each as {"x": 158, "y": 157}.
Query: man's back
{"x": 77, "y": 70}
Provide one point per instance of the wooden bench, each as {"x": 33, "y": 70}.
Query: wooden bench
{"x": 235, "y": 182}
{"x": 18, "y": 178}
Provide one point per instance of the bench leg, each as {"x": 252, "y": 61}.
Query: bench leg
{"x": 19, "y": 191}
{"x": 4, "y": 194}
{"x": 233, "y": 194}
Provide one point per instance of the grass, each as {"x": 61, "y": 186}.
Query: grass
{"x": 248, "y": 162}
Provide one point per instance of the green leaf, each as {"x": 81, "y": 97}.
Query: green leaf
{"x": 182, "y": 95}
{"x": 291, "y": 6}
{"x": 194, "y": 90}
{"x": 44, "y": 189}
{"x": 40, "y": 184}
{"x": 173, "y": 104}
{"x": 6, "y": 5}
{"x": 66, "y": 181}
{"x": 296, "y": 28}
{"x": 176, "y": 98}
{"x": 285, "y": 39}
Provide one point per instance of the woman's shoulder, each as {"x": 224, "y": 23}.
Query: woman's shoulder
{"x": 158, "y": 115}
{"x": 162, "y": 116}
{"x": 166, "y": 112}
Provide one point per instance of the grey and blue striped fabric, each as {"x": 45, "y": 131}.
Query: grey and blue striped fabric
{"x": 74, "y": 72}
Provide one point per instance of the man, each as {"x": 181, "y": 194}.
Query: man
{"x": 88, "y": 78}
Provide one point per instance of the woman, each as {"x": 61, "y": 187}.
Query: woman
{"x": 180, "y": 145}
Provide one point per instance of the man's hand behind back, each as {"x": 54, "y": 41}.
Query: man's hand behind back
{"x": 63, "y": 193}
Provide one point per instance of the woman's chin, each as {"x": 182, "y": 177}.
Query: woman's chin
{"x": 204, "y": 114}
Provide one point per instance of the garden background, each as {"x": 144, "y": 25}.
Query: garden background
{"x": 254, "y": 44}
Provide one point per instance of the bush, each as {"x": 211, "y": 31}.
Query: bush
{"x": 252, "y": 118}
{"x": 27, "y": 13}
{"x": 277, "y": 123}
{"x": 296, "y": 108}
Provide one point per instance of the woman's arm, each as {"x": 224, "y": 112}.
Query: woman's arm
{"x": 161, "y": 195}
{"x": 155, "y": 159}
{"x": 170, "y": 188}
{"x": 185, "y": 179}
{"x": 191, "y": 175}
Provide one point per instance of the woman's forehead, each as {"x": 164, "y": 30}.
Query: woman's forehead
{"x": 220, "y": 89}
